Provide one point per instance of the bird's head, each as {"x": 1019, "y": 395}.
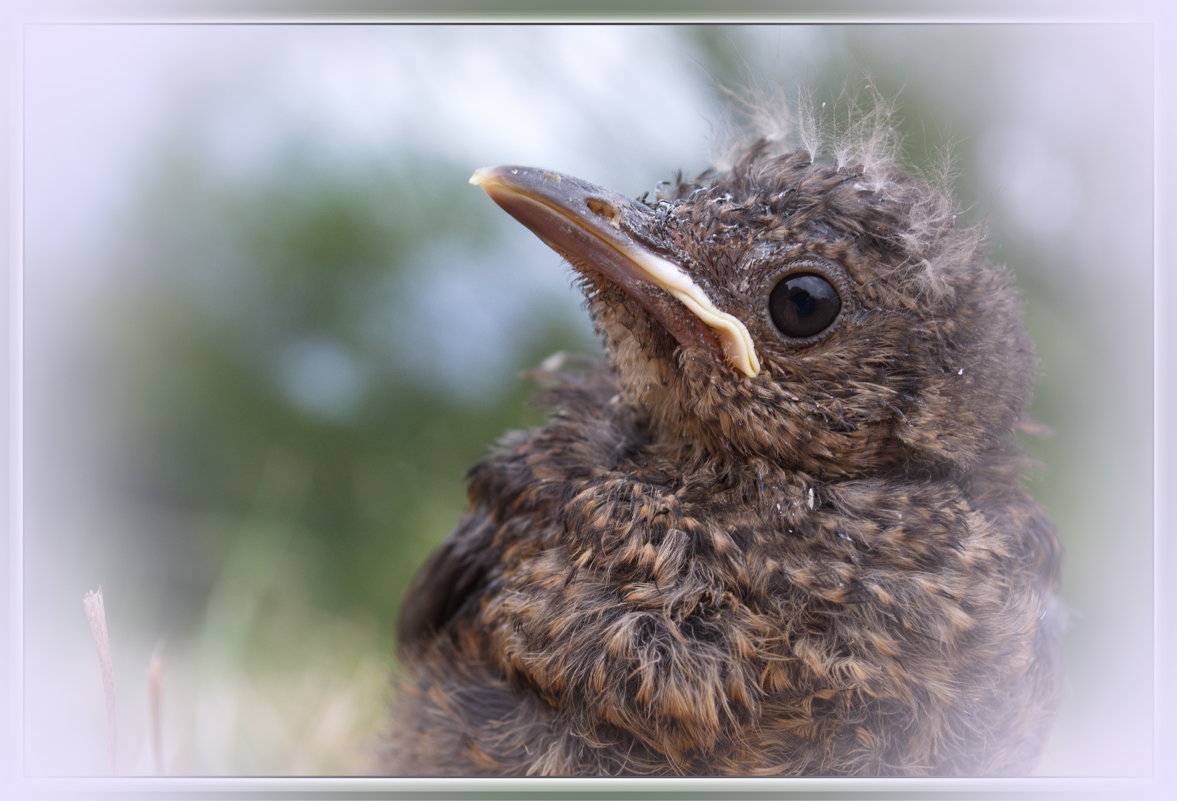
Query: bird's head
{"x": 828, "y": 316}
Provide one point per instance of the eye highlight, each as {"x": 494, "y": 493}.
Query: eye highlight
{"x": 803, "y": 305}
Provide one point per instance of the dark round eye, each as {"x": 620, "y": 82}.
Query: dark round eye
{"x": 803, "y": 305}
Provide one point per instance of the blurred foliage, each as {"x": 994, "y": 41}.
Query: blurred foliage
{"x": 361, "y": 480}
{"x": 286, "y": 464}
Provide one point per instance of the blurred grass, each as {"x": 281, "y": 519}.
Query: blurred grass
{"x": 286, "y": 533}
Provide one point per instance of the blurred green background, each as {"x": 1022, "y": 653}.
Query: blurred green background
{"x": 268, "y": 326}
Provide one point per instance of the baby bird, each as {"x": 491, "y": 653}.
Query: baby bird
{"x": 780, "y": 530}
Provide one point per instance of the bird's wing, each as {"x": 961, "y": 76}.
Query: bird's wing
{"x": 450, "y": 581}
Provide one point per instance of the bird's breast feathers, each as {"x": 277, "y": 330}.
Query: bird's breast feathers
{"x": 684, "y": 611}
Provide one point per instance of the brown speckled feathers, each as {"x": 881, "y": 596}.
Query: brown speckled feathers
{"x": 780, "y": 531}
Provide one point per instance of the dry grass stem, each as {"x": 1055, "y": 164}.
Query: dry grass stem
{"x": 96, "y": 616}
{"x": 155, "y": 706}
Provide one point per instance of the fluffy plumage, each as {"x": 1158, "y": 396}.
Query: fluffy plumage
{"x": 828, "y": 568}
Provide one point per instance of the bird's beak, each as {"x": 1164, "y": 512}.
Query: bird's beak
{"x": 591, "y": 228}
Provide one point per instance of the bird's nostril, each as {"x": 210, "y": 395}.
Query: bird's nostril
{"x": 602, "y": 208}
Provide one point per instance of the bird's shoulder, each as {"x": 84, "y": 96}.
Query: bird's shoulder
{"x": 527, "y": 472}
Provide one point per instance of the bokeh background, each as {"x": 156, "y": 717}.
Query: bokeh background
{"x": 268, "y": 325}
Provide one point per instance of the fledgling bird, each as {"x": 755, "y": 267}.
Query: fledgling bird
{"x": 780, "y": 531}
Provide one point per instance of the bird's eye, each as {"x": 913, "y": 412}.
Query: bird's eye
{"x": 803, "y": 305}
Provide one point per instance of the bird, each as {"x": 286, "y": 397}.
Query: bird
{"x": 780, "y": 529}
